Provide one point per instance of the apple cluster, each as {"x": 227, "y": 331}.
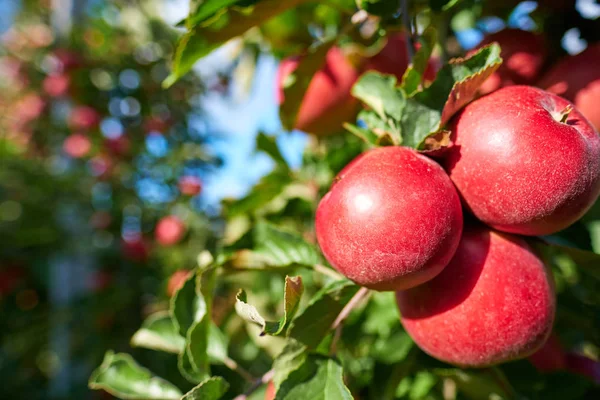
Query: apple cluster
{"x": 449, "y": 235}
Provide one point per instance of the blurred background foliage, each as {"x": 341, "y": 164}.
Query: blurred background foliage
{"x": 95, "y": 152}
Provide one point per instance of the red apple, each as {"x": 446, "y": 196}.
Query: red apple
{"x": 169, "y": 230}
{"x": 391, "y": 220}
{"x": 523, "y": 163}
{"x": 550, "y": 357}
{"x": 493, "y": 303}
{"x": 523, "y": 53}
{"x": 190, "y": 185}
{"x": 56, "y": 85}
{"x": 577, "y": 78}
{"x": 77, "y": 145}
{"x": 118, "y": 146}
{"x": 83, "y": 117}
{"x": 582, "y": 365}
{"x": 327, "y": 103}
{"x": 271, "y": 391}
{"x": 136, "y": 249}
{"x": 177, "y": 280}
{"x": 393, "y": 59}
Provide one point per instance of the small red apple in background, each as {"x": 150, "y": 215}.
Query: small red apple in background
{"x": 327, "y": 103}
{"x": 135, "y": 249}
{"x": 190, "y": 185}
{"x": 118, "y": 146}
{"x": 102, "y": 165}
{"x": 523, "y": 54}
{"x": 522, "y": 163}
{"x": 169, "y": 230}
{"x": 69, "y": 59}
{"x": 77, "y": 145}
{"x": 56, "y": 85}
{"x": 83, "y": 117}
{"x": 550, "y": 357}
{"x": 391, "y": 220}
{"x": 11, "y": 276}
{"x": 177, "y": 280}
{"x": 582, "y": 365}
{"x": 270, "y": 392}
{"x": 393, "y": 59}
{"x": 29, "y": 107}
{"x": 493, "y": 303}
{"x": 577, "y": 78}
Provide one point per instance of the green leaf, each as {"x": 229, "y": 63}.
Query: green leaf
{"x": 290, "y": 359}
{"x": 282, "y": 246}
{"x": 317, "y": 378}
{"x": 158, "y": 332}
{"x": 210, "y": 389}
{"x": 380, "y": 94}
{"x": 293, "y": 92}
{"x": 291, "y": 298}
{"x": 367, "y": 135}
{"x": 418, "y": 120}
{"x": 311, "y": 327}
{"x": 209, "y": 34}
{"x": 478, "y": 385}
{"x": 422, "y": 385}
{"x": 588, "y": 261}
{"x": 413, "y": 76}
{"x": 187, "y": 306}
{"x": 195, "y": 360}
{"x": 392, "y": 349}
{"x": 122, "y": 377}
{"x": 270, "y": 186}
{"x": 382, "y": 8}
{"x": 209, "y": 8}
{"x": 268, "y": 144}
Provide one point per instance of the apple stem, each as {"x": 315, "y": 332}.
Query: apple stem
{"x": 564, "y": 114}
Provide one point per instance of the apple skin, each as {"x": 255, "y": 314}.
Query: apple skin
{"x": 169, "y": 230}
{"x": 77, "y": 145}
{"x": 494, "y": 302}
{"x": 391, "y": 220}
{"x": 550, "y": 357}
{"x": 520, "y": 170}
{"x": 327, "y": 103}
{"x": 271, "y": 392}
{"x": 524, "y": 54}
{"x": 577, "y": 78}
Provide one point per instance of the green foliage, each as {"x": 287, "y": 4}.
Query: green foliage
{"x": 418, "y": 120}
{"x": 121, "y": 376}
{"x": 209, "y": 389}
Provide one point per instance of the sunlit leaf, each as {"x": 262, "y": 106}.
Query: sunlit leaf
{"x": 122, "y": 377}
{"x": 158, "y": 332}
{"x": 210, "y": 389}
{"x": 291, "y": 297}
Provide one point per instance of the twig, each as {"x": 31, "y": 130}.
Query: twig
{"x": 337, "y": 324}
{"x": 327, "y": 271}
{"x": 234, "y": 366}
{"x": 256, "y": 384}
{"x": 410, "y": 48}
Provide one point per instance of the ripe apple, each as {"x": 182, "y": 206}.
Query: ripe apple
{"x": 77, "y": 145}
{"x": 523, "y": 53}
{"x": 494, "y": 302}
{"x": 190, "y": 185}
{"x": 393, "y": 59}
{"x": 577, "y": 78}
{"x": 327, "y": 103}
{"x": 169, "y": 230}
{"x": 523, "y": 161}
{"x": 391, "y": 220}
{"x": 177, "y": 280}
{"x": 271, "y": 392}
{"x": 56, "y": 85}
{"x": 83, "y": 117}
{"x": 550, "y": 357}
{"x": 136, "y": 249}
